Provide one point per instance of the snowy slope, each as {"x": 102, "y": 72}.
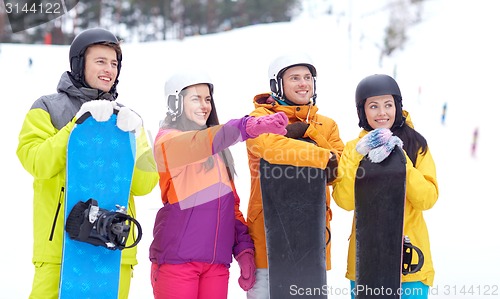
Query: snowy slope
{"x": 451, "y": 57}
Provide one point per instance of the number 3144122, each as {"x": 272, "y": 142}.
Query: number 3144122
{"x": 35, "y": 8}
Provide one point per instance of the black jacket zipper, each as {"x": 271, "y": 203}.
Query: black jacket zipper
{"x": 61, "y": 194}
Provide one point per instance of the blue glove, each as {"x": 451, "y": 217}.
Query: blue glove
{"x": 378, "y": 144}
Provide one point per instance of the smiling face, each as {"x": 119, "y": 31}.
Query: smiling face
{"x": 380, "y": 111}
{"x": 101, "y": 67}
{"x": 298, "y": 84}
{"x": 197, "y": 103}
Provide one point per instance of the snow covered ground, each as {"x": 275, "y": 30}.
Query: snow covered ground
{"x": 452, "y": 57}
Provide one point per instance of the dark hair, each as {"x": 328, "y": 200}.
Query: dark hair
{"x": 115, "y": 47}
{"x": 413, "y": 142}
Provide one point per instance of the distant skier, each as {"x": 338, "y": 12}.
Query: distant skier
{"x": 443, "y": 113}
{"x": 30, "y": 62}
{"x": 475, "y": 136}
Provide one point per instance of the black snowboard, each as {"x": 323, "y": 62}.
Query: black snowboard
{"x": 294, "y": 217}
{"x": 379, "y": 210}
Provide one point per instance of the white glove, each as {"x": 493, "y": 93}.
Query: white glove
{"x": 101, "y": 110}
{"x": 127, "y": 120}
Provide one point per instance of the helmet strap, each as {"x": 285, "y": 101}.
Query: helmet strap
{"x": 174, "y": 106}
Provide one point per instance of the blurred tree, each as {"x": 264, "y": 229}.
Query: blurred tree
{"x": 3, "y": 23}
{"x": 150, "y": 20}
{"x": 402, "y": 15}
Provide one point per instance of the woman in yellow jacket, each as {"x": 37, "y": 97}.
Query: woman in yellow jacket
{"x": 379, "y": 105}
{"x": 293, "y": 84}
{"x": 95, "y": 58}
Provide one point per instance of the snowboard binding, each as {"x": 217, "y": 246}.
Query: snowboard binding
{"x": 100, "y": 227}
{"x": 408, "y": 248}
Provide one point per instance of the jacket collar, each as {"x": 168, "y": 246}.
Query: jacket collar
{"x": 67, "y": 86}
{"x": 304, "y": 113}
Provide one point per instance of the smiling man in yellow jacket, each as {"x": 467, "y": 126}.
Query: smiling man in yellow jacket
{"x": 95, "y": 59}
{"x": 293, "y": 84}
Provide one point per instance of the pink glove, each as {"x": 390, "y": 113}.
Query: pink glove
{"x": 246, "y": 262}
{"x": 273, "y": 123}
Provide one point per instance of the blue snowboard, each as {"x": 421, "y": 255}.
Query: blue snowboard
{"x": 100, "y": 163}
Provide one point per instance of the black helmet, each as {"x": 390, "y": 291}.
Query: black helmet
{"x": 81, "y": 42}
{"x": 376, "y": 85}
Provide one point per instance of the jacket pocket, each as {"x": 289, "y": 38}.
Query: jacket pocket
{"x": 56, "y": 215}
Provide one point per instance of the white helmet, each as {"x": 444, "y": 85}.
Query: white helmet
{"x": 279, "y": 65}
{"x": 180, "y": 81}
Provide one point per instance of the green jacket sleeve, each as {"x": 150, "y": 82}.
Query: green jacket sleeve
{"x": 145, "y": 173}
{"x": 42, "y": 148}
